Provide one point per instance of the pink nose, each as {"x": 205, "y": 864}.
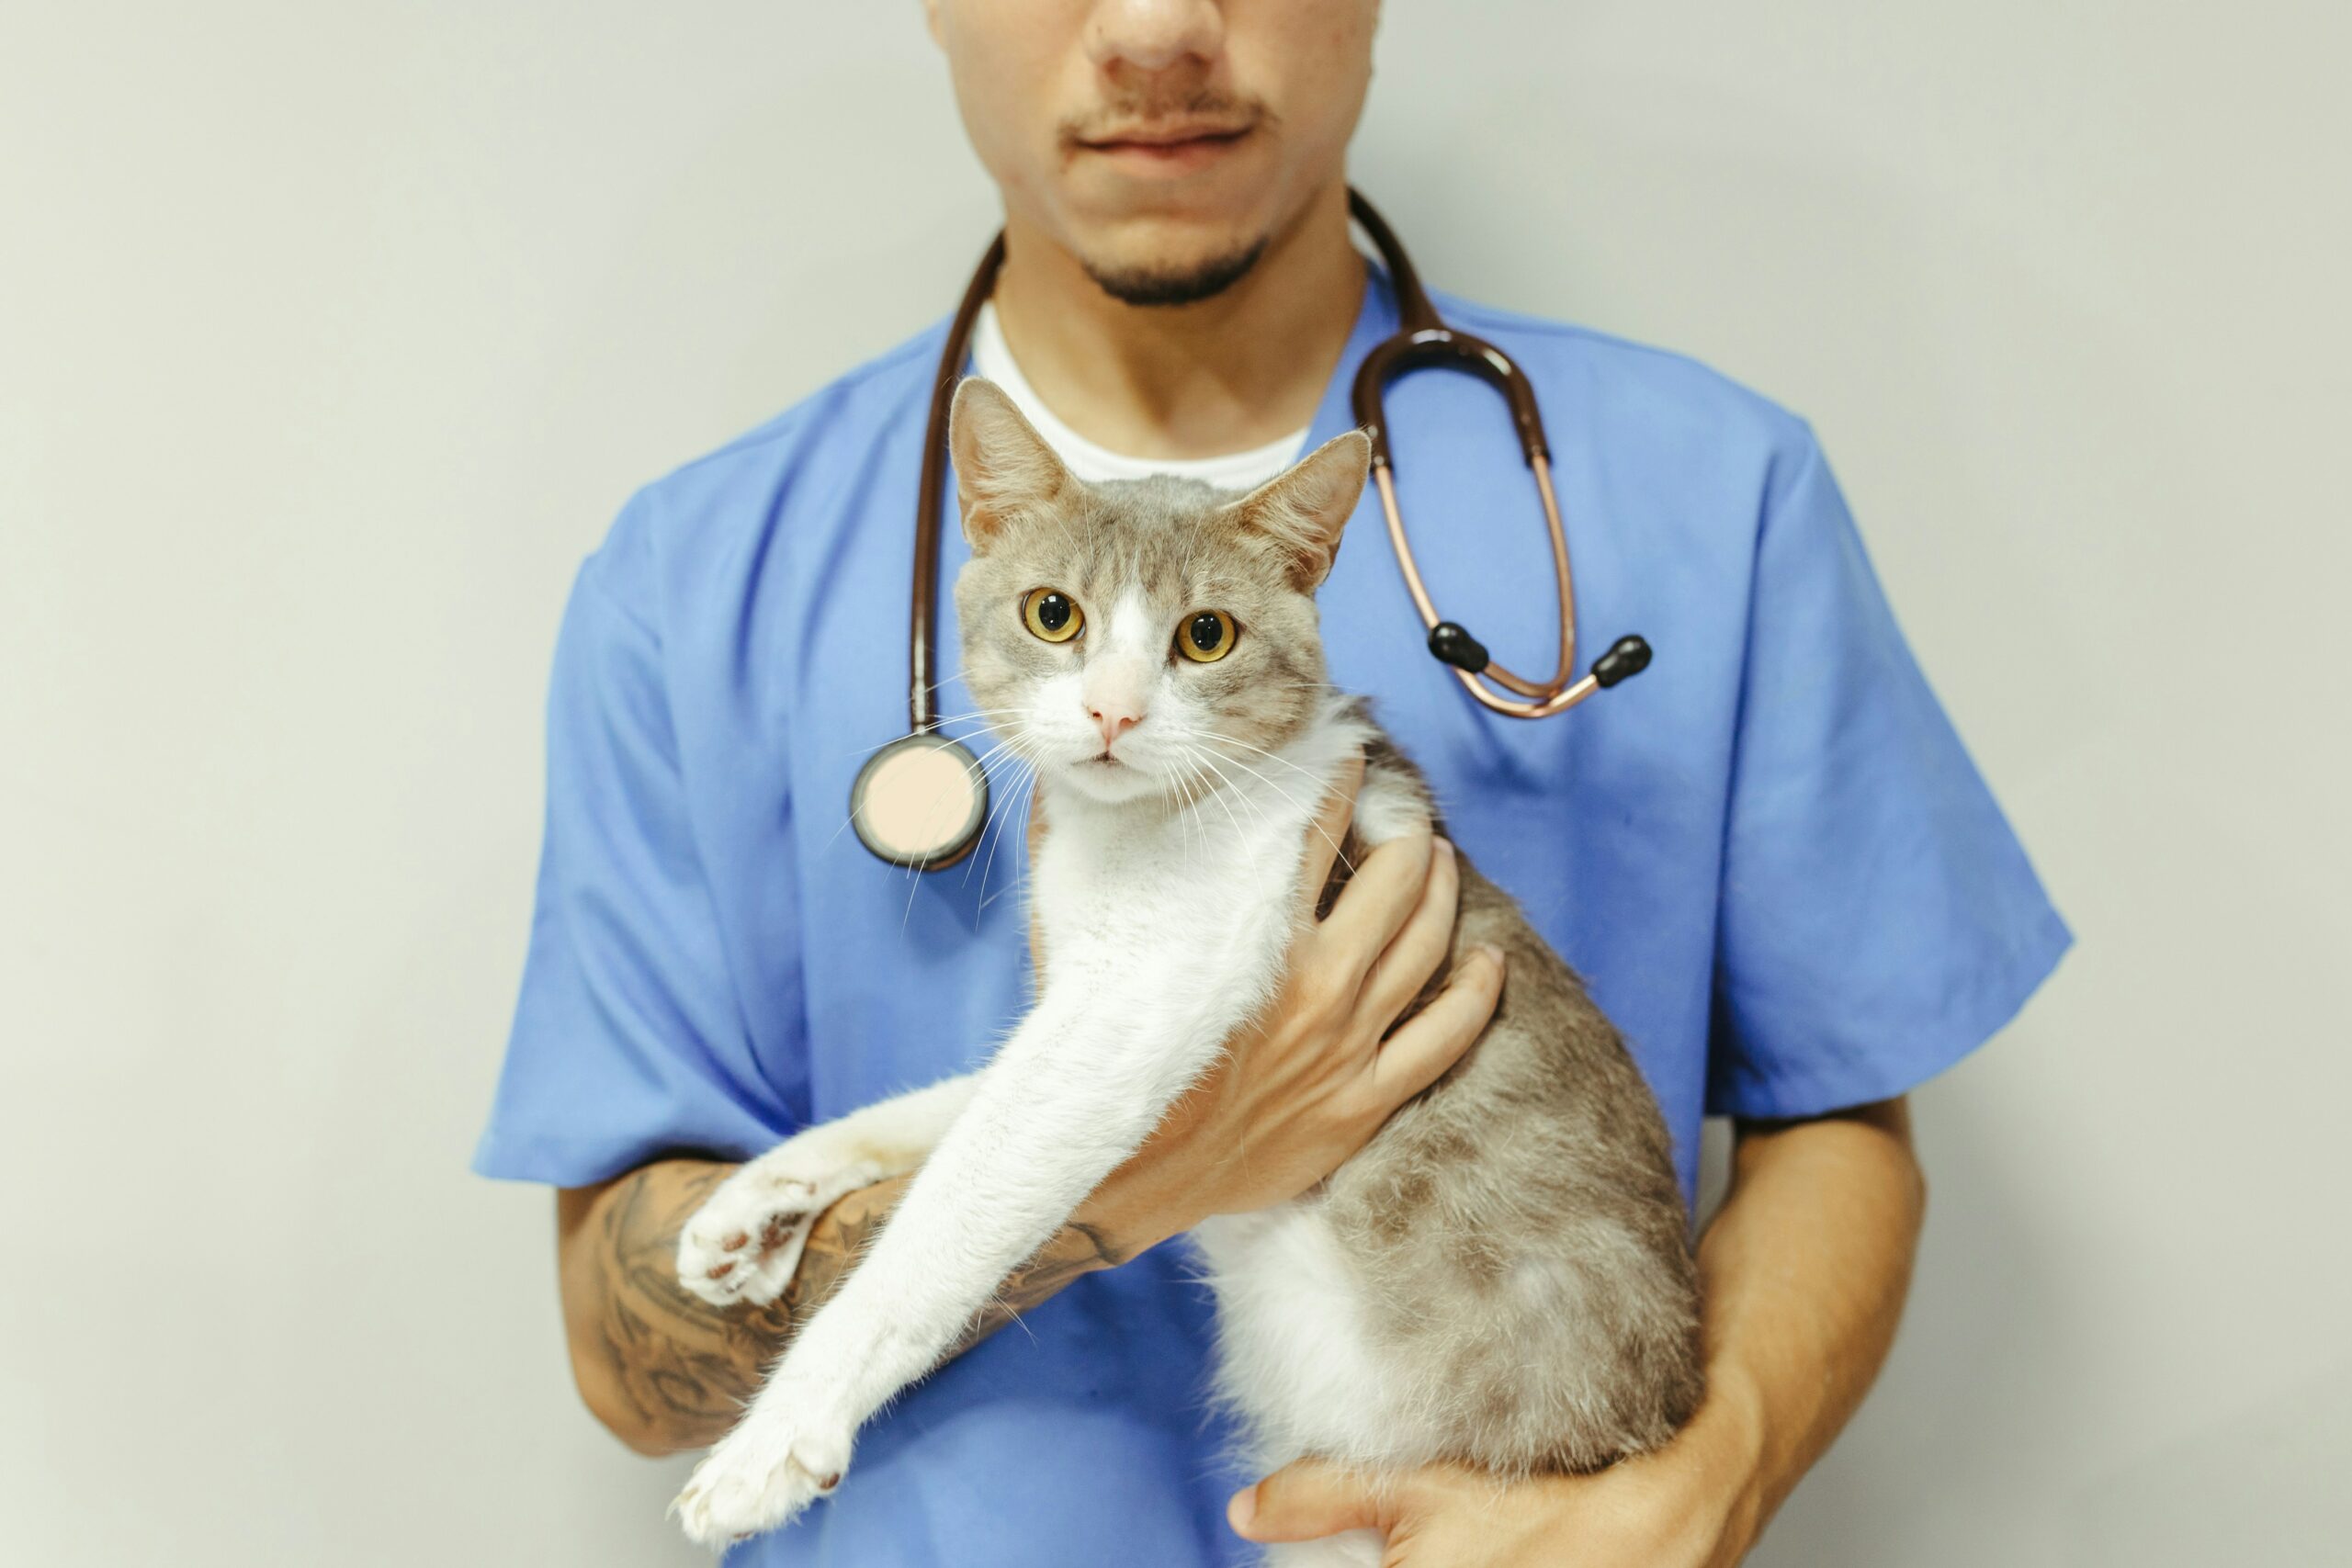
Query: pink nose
{"x": 1113, "y": 719}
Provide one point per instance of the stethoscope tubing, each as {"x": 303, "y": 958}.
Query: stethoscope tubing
{"x": 922, "y": 710}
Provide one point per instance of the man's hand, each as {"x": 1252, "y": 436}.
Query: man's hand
{"x": 1313, "y": 1078}
{"x": 1691, "y": 1505}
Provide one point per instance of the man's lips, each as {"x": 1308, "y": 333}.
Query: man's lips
{"x": 1168, "y": 147}
{"x": 1169, "y": 131}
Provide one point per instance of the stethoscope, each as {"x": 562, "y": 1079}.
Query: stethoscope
{"x": 922, "y": 800}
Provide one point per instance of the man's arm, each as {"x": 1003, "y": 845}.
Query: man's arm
{"x": 1805, "y": 1270}
{"x": 1808, "y": 1264}
{"x": 665, "y": 1370}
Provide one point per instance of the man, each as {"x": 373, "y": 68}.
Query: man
{"x": 1770, "y": 857}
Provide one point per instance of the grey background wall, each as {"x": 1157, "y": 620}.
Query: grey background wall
{"x": 332, "y": 337}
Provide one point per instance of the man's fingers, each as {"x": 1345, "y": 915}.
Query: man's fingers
{"x": 1377, "y": 901}
{"x": 1416, "y": 950}
{"x": 1328, "y": 832}
{"x": 1435, "y": 1038}
{"x": 1304, "y": 1501}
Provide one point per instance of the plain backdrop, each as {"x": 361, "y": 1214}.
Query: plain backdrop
{"x": 332, "y": 337}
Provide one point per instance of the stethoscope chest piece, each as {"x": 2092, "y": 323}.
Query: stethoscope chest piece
{"x": 921, "y": 801}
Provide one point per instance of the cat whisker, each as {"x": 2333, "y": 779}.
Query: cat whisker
{"x": 974, "y": 772}
{"x": 1210, "y": 760}
{"x": 977, "y": 771}
{"x": 1196, "y": 775}
{"x": 1025, "y": 792}
{"x": 1025, "y": 774}
{"x": 1229, "y": 792}
{"x": 942, "y": 721}
{"x": 1271, "y": 756}
{"x": 1338, "y": 848}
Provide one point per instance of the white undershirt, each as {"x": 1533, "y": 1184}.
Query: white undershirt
{"x": 993, "y": 358}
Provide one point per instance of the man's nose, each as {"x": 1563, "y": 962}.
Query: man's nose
{"x": 1114, "y": 714}
{"x": 1154, "y": 35}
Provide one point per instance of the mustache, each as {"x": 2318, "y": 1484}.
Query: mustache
{"x": 1130, "y": 113}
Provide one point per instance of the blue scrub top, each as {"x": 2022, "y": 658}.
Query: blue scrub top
{"x": 1769, "y": 856}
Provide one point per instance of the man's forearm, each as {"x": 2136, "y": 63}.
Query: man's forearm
{"x": 665, "y": 1370}
{"x": 1805, "y": 1271}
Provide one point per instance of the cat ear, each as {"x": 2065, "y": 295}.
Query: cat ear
{"x": 1003, "y": 465}
{"x": 1304, "y": 508}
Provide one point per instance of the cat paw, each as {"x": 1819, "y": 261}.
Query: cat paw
{"x": 762, "y": 1474}
{"x": 745, "y": 1241}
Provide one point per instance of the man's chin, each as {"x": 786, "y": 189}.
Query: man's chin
{"x": 1169, "y": 261}
{"x": 1166, "y": 283}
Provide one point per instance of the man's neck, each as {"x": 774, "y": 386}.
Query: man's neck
{"x": 1225, "y": 375}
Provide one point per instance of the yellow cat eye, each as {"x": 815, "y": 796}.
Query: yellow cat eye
{"x": 1052, "y": 615}
{"x": 1205, "y": 637}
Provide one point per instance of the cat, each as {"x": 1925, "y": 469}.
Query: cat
{"x": 1503, "y": 1276}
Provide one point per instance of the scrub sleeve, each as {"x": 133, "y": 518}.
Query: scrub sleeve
{"x": 1878, "y": 918}
{"x": 629, "y": 1041}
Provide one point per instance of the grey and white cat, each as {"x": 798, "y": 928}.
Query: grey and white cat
{"x": 1503, "y": 1276}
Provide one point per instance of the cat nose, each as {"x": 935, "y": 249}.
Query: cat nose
{"x": 1114, "y": 717}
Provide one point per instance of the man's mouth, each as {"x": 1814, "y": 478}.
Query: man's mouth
{"x": 1170, "y": 147}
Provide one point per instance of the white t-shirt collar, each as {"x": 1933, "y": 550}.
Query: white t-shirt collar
{"x": 993, "y": 358}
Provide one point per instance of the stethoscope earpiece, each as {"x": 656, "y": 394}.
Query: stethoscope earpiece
{"x": 1452, "y": 643}
{"x": 921, "y": 801}
{"x": 1627, "y": 658}
{"x": 1423, "y": 340}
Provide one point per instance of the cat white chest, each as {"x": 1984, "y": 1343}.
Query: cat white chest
{"x": 1148, "y": 907}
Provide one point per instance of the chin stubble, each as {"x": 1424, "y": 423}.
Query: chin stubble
{"x": 1170, "y": 285}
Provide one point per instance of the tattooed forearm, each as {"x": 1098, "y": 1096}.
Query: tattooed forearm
{"x": 1078, "y": 1249}
{"x": 666, "y": 1369}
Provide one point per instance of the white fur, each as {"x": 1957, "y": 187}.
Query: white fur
{"x": 1296, "y": 1355}
{"x": 1126, "y": 1020}
{"x": 780, "y": 1194}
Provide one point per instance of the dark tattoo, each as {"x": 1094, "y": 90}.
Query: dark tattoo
{"x": 1077, "y": 1248}
{"x": 686, "y": 1367}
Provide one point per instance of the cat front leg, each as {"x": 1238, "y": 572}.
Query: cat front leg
{"x": 744, "y": 1243}
{"x": 1066, "y": 1101}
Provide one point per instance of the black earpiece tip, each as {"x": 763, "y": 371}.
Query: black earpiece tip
{"x": 1452, "y": 644}
{"x": 1627, "y": 658}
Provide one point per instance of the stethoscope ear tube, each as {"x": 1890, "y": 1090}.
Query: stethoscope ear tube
{"x": 1424, "y": 340}
{"x": 931, "y": 491}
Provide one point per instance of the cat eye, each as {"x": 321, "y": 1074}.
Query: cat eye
{"x": 1052, "y": 615}
{"x": 1205, "y": 637}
